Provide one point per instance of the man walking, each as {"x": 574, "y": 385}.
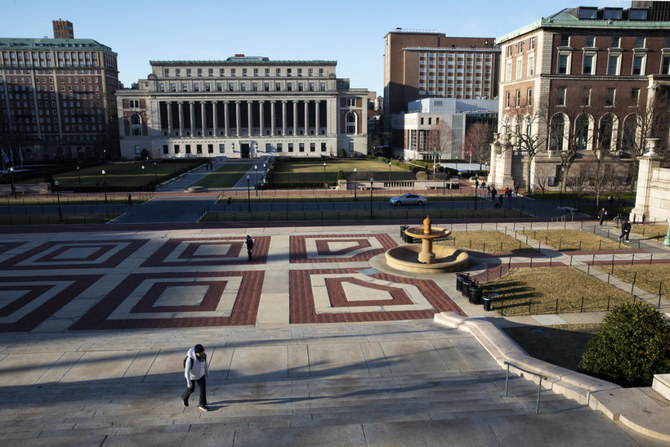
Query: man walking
{"x": 250, "y": 246}
{"x": 601, "y": 215}
{"x": 196, "y": 369}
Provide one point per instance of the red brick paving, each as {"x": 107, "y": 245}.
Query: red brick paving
{"x": 298, "y": 247}
{"x": 158, "y": 259}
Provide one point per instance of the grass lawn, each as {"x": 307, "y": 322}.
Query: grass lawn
{"x": 571, "y": 240}
{"x": 226, "y": 176}
{"x": 485, "y": 242}
{"x": 291, "y": 171}
{"x": 550, "y": 290}
{"x": 561, "y": 345}
{"x": 652, "y": 232}
{"x": 42, "y": 219}
{"x": 127, "y": 173}
{"x": 650, "y": 277}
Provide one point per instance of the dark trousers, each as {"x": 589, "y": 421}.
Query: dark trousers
{"x": 203, "y": 391}
{"x": 249, "y": 254}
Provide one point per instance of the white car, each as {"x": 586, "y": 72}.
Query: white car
{"x": 408, "y": 199}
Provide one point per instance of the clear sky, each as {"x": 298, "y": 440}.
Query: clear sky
{"x": 349, "y": 32}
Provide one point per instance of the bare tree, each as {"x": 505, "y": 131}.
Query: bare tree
{"x": 440, "y": 139}
{"x": 542, "y": 173}
{"x": 579, "y": 182}
{"x": 527, "y": 135}
{"x": 478, "y": 141}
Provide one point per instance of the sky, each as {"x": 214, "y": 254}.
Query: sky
{"x": 348, "y": 32}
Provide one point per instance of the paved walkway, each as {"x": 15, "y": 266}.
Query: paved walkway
{"x": 314, "y": 340}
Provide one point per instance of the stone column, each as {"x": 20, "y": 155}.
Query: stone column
{"x": 316, "y": 117}
{"x": 191, "y": 106}
{"x": 648, "y": 162}
{"x": 181, "y": 118}
{"x": 237, "y": 118}
{"x": 272, "y": 117}
{"x": 295, "y": 117}
{"x": 306, "y": 117}
{"x": 215, "y": 118}
{"x": 260, "y": 116}
{"x": 203, "y": 118}
{"x": 250, "y": 120}
{"x": 283, "y": 117}
{"x": 169, "y": 117}
{"x": 225, "y": 119}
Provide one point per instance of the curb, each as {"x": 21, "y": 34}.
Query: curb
{"x": 633, "y": 407}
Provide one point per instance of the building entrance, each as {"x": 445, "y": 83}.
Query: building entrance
{"x": 244, "y": 149}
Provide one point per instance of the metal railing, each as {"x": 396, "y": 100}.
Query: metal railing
{"x": 539, "y": 386}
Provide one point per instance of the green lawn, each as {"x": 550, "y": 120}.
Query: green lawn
{"x": 226, "y": 176}
{"x": 291, "y": 171}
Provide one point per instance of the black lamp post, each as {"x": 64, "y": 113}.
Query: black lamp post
{"x": 60, "y": 214}
{"x": 155, "y": 174}
{"x": 79, "y": 177}
{"x": 11, "y": 173}
{"x": 104, "y": 182}
{"x": 248, "y": 194}
{"x": 324, "y": 174}
{"x": 372, "y": 182}
{"x": 143, "y": 182}
{"x": 256, "y": 179}
{"x": 355, "y": 185}
{"x": 389, "y": 171}
{"x": 476, "y": 188}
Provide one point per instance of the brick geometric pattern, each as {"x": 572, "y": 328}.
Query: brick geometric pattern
{"x": 174, "y": 300}
{"x": 338, "y": 248}
{"x": 311, "y": 303}
{"x": 6, "y": 246}
{"x": 74, "y": 254}
{"x": 212, "y": 251}
{"x": 26, "y": 301}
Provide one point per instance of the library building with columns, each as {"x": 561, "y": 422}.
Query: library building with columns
{"x": 243, "y": 107}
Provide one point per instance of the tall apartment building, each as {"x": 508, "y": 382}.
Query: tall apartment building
{"x": 242, "y": 107}
{"x": 584, "y": 76}
{"x": 57, "y": 98}
{"x": 63, "y": 29}
{"x": 421, "y": 65}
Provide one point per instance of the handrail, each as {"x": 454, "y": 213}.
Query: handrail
{"x": 539, "y": 387}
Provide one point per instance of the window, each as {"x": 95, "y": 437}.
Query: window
{"x": 200, "y": 72}
{"x": 560, "y": 96}
{"x": 243, "y": 86}
{"x": 166, "y": 72}
{"x": 507, "y": 95}
{"x": 290, "y": 147}
{"x": 231, "y": 87}
{"x": 518, "y": 98}
{"x": 586, "y": 96}
{"x": 222, "y": 148}
{"x": 518, "y": 68}
{"x": 301, "y": 147}
{"x": 277, "y": 86}
{"x": 556, "y": 135}
{"x": 266, "y": 86}
{"x": 509, "y": 50}
{"x": 188, "y": 72}
{"x": 288, "y": 72}
{"x": 351, "y": 123}
{"x": 532, "y": 43}
{"x": 613, "y": 65}
{"x": 177, "y": 72}
{"x": 615, "y": 41}
{"x": 609, "y": 97}
{"x": 508, "y": 71}
{"x": 322, "y": 86}
{"x": 244, "y": 72}
{"x": 256, "y": 72}
{"x": 588, "y": 64}
{"x": 521, "y": 47}
{"x": 267, "y": 72}
{"x": 233, "y": 72}
{"x": 582, "y": 131}
{"x": 667, "y": 42}
{"x": 184, "y": 87}
{"x": 531, "y": 65}
{"x": 529, "y": 97}
{"x": 278, "y": 72}
{"x": 196, "y": 87}
{"x": 634, "y": 95}
{"x": 254, "y": 86}
{"x": 565, "y": 40}
{"x": 665, "y": 65}
{"x": 173, "y": 87}
{"x": 563, "y": 63}
{"x": 279, "y": 147}
{"x": 638, "y": 62}
{"x": 590, "y": 41}
{"x": 639, "y": 43}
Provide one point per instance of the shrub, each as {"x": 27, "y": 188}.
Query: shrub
{"x": 340, "y": 174}
{"x": 632, "y": 345}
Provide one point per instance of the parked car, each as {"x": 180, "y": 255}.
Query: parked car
{"x": 408, "y": 199}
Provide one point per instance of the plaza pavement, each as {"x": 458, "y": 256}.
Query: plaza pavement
{"x": 312, "y": 342}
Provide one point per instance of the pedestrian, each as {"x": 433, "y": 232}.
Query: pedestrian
{"x": 508, "y": 192}
{"x": 493, "y": 194}
{"x": 229, "y": 202}
{"x": 196, "y": 369}
{"x": 516, "y": 190}
{"x": 250, "y": 246}
{"x": 500, "y": 200}
{"x": 601, "y": 215}
{"x": 610, "y": 200}
{"x": 627, "y": 228}
{"x": 623, "y": 230}
{"x": 130, "y": 200}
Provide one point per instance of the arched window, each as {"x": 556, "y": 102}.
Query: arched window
{"x": 582, "y": 131}
{"x": 557, "y": 133}
{"x": 606, "y": 130}
{"x": 136, "y": 125}
{"x": 351, "y": 123}
{"x": 629, "y": 137}
{"x": 135, "y": 120}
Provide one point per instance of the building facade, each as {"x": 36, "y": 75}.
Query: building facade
{"x": 582, "y": 80}
{"x": 57, "y": 98}
{"x": 440, "y": 125}
{"x": 242, "y": 107}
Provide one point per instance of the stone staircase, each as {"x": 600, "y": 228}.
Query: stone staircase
{"x": 305, "y": 411}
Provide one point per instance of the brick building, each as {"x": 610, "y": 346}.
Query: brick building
{"x": 57, "y": 97}
{"x": 242, "y": 107}
{"x": 583, "y": 79}
{"x": 425, "y": 64}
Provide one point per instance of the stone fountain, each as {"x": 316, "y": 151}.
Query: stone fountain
{"x": 425, "y": 258}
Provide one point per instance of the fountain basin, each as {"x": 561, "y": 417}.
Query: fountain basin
{"x": 447, "y": 259}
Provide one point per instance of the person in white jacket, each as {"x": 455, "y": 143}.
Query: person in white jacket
{"x": 196, "y": 369}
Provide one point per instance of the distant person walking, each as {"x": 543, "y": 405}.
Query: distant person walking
{"x": 229, "y": 202}
{"x": 250, "y": 247}
{"x": 627, "y": 227}
{"x": 196, "y": 369}
{"x": 493, "y": 194}
{"x": 601, "y": 215}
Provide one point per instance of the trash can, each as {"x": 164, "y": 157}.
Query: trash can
{"x": 403, "y": 236}
{"x": 475, "y": 296}
{"x": 465, "y": 287}
{"x": 460, "y": 281}
{"x": 487, "y": 303}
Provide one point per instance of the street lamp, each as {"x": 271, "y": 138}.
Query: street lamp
{"x": 155, "y": 174}
{"x": 104, "y": 182}
{"x": 324, "y": 174}
{"x": 355, "y": 185}
{"x": 389, "y": 171}
{"x": 60, "y": 214}
{"x": 79, "y": 177}
{"x": 476, "y": 188}
{"x": 372, "y": 182}
{"x": 143, "y": 182}
{"x": 256, "y": 179}
{"x": 248, "y": 194}
{"x": 11, "y": 172}
{"x": 104, "y": 154}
